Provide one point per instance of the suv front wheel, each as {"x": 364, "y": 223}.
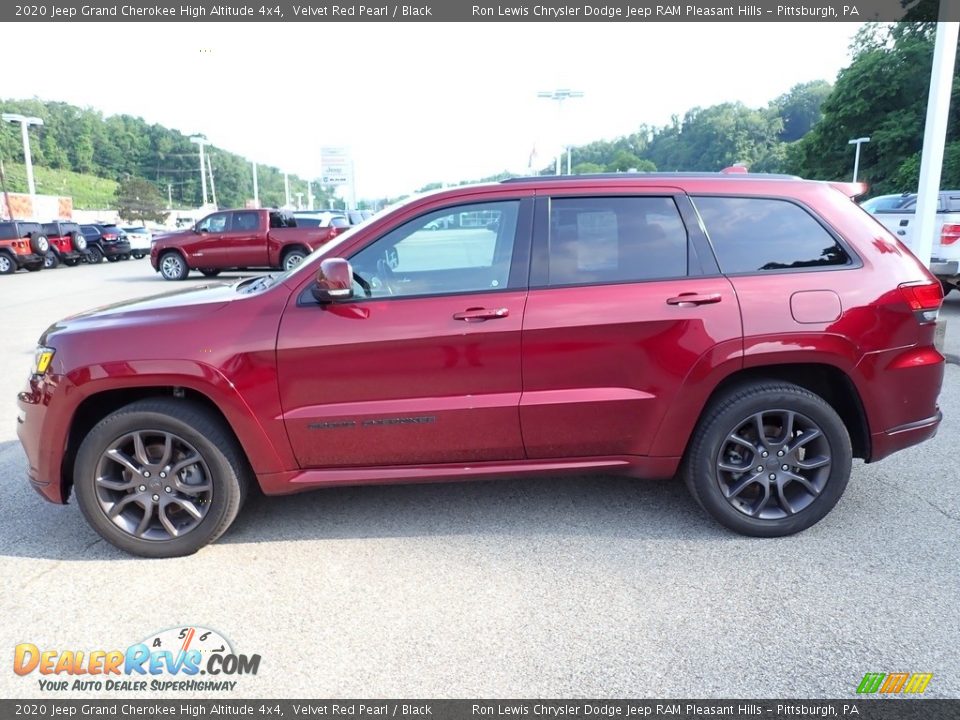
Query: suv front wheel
{"x": 160, "y": 477}
{"x": 769, "y": 459}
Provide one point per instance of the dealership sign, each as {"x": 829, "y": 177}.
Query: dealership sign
{"x": 335, "y": 165}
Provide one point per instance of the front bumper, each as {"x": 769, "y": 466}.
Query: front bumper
{"x": 37, "y": 429}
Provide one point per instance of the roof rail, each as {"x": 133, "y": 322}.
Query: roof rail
{"x": 622, "y": 175}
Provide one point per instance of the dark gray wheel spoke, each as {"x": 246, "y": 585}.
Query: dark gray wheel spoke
{"x": 761, "y": 434}
{"x": 733, "y": 437}
{"x": 167, "y": 450}
{"x": 117, "y": 485}
{"x": 763, "y": 502}
{"x": 121, "y": 504}
{"x": 189, "y": 506}
{"x": 139, "y": 450}
{"x": 184, "y": 464}
{"x": 144, "y": 524}
{"x": 803, "y": 440}
{"x": 119, "y": 457}
{"x": 165, "y": 521}
{"x": 788, "y": 428}
{"x": 811, "y": 463}
{"x": 783, "y": 501}
{"x": 731, "y": 468}
{"x": 190, "y": 489}
{"x": 743, "y": 484}
{"x": 794, "y": 477}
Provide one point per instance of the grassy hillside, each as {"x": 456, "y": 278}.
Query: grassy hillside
{"x": 88, "y": 191}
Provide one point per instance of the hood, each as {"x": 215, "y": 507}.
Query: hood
{"x": 174, "y": 235}
{"x": 178, "y": 306}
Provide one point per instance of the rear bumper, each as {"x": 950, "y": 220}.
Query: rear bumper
{"x": 947, "y": 268}
{"x": 28, "y": 259}
{"x": 115, "y": 249}
{"x": 891, "y": 441}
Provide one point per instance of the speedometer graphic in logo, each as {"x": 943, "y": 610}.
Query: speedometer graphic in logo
{"x": 181, "y": 640}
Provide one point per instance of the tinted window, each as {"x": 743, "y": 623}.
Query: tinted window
{"x": 246, "y": 221}
{"x": 756, "y": 234}
{"x": 619, "y": 239}
{"x": 303, "y": 221}
{"x": 51, "y": 229}
{"x": 339, "y": 222}
{"x": 471, "y": 252}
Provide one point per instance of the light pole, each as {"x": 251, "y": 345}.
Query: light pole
{"x": 25, "y": 122}
{"x": 856, "y": 158}
{"x": 256, "y": 186}
{"x": 561, "y": 94}
{"x": 201, "y": 141}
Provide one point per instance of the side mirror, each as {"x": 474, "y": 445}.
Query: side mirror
{"x": 334, "y": 281}
{"x": 199, "y": 230}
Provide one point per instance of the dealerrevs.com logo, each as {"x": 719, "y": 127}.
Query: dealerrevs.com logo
{"x": 179, "y": 659}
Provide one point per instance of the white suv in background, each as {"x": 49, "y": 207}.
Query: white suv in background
{"x": 140, "y": 238}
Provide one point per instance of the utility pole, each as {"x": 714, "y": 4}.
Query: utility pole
{"x": 256, "y": 186}
{"x": 559, "y": 95}
{"x": 286, "y": 189}
{"x": 935, "y": 135}
{"x": 201, "y": 141}
{"x": 856, "y": 158}
{"x": 213, "y": 188}
{"x": 25, "y": 123}
{"x": 309, "y": 195}
{"x": 169, "y": 196}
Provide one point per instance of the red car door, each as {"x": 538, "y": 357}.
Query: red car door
{"x": 204, "y": 249}
{"x": 625, "y": 306}
{"x": 423, "y": 364}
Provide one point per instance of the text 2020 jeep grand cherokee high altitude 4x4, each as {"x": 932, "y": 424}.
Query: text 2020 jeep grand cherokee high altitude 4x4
{"x": 753, "y": 333}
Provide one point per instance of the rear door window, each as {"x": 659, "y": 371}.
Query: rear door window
{"x": 751, "y": 234}
{"x": 615, "y": 240}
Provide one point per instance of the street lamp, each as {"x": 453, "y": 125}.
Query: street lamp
{"x": 201, "y": 141}
{"x": 856, "y": 161}
{"x": 559, "y": 95}
{"x": 25, "y": 122}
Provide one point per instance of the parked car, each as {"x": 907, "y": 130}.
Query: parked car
{"x": 139, "y": 238}
{"x": 67, "y": 244}
{"x": 237, "y": 240}
{"x": 887, "y": 202}
{"x": 22, "y": 245}
{"x": 321, "y": 218}
{"x": 945, "y": 257}
{"x": 106, "y": 240}
{"x": 752, "y": 333}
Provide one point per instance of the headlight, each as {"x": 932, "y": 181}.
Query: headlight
{"x": 42, "y": 359}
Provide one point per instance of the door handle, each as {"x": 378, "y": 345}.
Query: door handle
{"x": 478, "y": 314}
{"x": 690, "y": 299}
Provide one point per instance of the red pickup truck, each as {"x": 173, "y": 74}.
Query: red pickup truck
{"x": 234, "y": 240}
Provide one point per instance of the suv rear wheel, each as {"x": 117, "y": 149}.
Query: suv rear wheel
{"x": 7, "y": 264}
{"x": 769, "y": 459}
{"x": 50, "y": 260}
{"x": 160, "y": 477}
{"x": 95, "y": 256}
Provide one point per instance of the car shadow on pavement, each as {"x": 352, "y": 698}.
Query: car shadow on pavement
{"x": 592, "y": 505}
{"x": 588, "y": 506}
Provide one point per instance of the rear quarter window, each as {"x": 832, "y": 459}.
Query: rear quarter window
{"x": 767, "y": 235}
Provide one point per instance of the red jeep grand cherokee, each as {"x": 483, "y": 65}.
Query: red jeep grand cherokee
{"x": 753, "y": 333}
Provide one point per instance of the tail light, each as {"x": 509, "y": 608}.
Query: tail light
{"x": 950, "y": 234}
{"x": 334, "y": 231}
{"x": 109, "y": 236}
{"x": 924, "y": 299}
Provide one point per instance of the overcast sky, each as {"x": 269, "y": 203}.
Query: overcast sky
{"x": 417, "y": 103}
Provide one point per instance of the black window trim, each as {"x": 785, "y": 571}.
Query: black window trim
{"x": 517, "y": 280}
{"x": 696, "y": 267}
{"x": 855, "y": 262}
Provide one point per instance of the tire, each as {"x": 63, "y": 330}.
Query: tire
{"x": 39, "y": 244}
{"x": 213, "y": 486}
{"x": 71, "y": 263}
{"x": 34, "y": 267}
{"x": 95, "y": 256}
{"x": 138, "y": 255}
{"x": 79, "y": 241}
{"x": 8, "y": 265}
{"x": 51, "y": 260}
{"x": 210, "y": 273}
{"x": 292, "y": 258}
{"x": 125, "y": 256}
{"x": 947, "y": 287}
{"x": 113, "y": 258}
{"x": 750, "y": 492}
{"x": 172, "y": 266}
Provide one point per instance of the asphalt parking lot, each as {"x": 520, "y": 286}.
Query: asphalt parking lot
{"x": 592, "y": 586}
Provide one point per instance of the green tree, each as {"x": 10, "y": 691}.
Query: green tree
{"x": 138, "y": 200}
